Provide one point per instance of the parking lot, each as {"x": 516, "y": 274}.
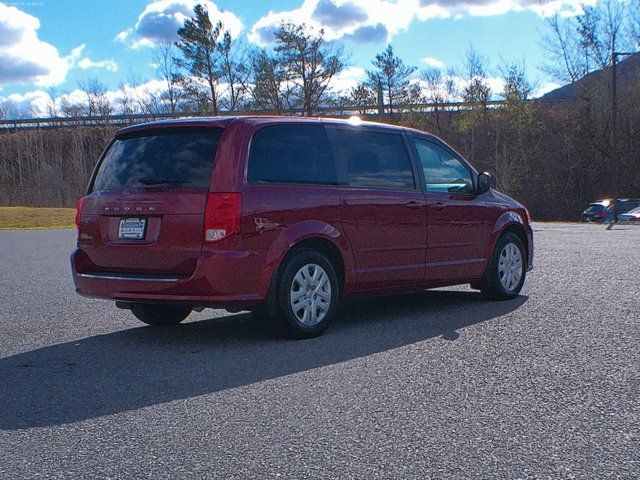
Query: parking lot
{"x": 439, "y": 384}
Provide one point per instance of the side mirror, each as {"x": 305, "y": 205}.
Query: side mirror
{"x": 484, "y": 183}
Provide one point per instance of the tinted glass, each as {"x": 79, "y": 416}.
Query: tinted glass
{"x": 443, "y": 172}
{"x": 595, "y": 208}
{"x": 291, "y": 154}
{"x": 626, "y": 206}
{"x": 172, "y": 158}
{"x": 373, "y": 159}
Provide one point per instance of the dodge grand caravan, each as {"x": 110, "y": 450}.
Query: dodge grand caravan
{"x": 287, "y": 216}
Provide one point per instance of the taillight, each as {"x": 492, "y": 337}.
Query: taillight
{"x": 222, "y": 216}
{"x": 602, "y": 215}
{"x": 79, "y": 206}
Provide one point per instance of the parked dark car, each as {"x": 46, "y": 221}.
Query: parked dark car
{"x": 602, "y": 210}
{"x": 286, "y": 216}
{"x": 596, "y": 212}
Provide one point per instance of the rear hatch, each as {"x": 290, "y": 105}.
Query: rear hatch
{"x": 595, "y": 211}
{"x": 145, "y": 210}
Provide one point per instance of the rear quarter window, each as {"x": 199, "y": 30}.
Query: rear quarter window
{"x": 167, "y": 158}
{"x": 291, "y": 154}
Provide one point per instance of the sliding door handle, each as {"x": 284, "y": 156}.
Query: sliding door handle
{"x": 414, "y": 205}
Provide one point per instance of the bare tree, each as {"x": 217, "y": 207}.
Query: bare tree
{"x": 143, "y": 98}
{"x": 167, "y": 71}
{"x": 600, "y": 30}
{"x": 476, "y": 91}
{"x": 71, "y": 109}
{"x": 96, "y": 102}
{"x": 8, "y": 110}
{"x": 52, "y": 108}
{"x": 233, "y": 71}
{"x": 439, "y": 89}
{"x": 566, "y": 55}
{"x": 577, "y": 45}
{"x": 126, "y": 100}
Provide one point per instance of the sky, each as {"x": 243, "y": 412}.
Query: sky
{"x": 54, "y": 44}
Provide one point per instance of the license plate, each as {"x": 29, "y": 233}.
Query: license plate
{"x": 132, "y": 228}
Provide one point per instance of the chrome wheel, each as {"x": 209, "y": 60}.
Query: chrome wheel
{"x": 310, "y": 294}
{"x": 510, "y": 267}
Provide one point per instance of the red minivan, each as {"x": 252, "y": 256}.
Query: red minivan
{"x": 286, "y": 216}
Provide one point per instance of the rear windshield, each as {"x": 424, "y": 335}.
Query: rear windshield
{"x": 595, "y": 208}
{"x": 166, "y": 158}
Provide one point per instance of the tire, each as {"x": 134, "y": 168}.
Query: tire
{"x": 306, "y": 295}
{"x": 507, "y": 269}
{"x": 160, "y": 315}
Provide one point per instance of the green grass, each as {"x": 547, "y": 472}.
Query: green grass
{"x": 38, "y": 218}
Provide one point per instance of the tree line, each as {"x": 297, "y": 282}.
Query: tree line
{"x": 207, "y": 71}
{"x": 555, "y": 158}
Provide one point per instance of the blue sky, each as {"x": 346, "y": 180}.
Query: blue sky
{"x": 57, "y": 43}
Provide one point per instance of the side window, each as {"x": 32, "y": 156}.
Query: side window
{"x": 372, "y": 159}
{"x": 291, "y": 154}
{"x": 442, "y": 171}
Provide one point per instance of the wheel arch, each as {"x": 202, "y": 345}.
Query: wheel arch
{"x": 319, "y": 236}
{"x": 510, "y": 222}
{"x": 322, "y": 245}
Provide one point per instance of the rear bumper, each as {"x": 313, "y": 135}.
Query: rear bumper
{"x": 220, "y": 279}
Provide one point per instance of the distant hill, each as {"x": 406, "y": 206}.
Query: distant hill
{"x": 628, "y": 70}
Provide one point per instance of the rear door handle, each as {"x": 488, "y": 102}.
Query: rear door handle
{"x": 438, "y": 205}
{"x": 414, "y": 205}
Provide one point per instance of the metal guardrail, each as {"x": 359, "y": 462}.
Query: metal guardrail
{"x": 116, "y": 120}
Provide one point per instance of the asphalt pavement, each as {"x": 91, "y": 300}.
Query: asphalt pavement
{"x": 438, "y": 384}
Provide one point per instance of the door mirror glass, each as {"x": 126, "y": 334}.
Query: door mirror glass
{"x": 484, "y": 183}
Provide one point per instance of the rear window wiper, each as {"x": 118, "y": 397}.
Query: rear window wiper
{"x": 161, "y": 181}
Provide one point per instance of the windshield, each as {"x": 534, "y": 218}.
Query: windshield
{"x": 167, "y": 158}
{"x": 634, "y": 211}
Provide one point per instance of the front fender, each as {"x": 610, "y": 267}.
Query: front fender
{"x": 504, "y": 221}
{"x": 298, "y": 232}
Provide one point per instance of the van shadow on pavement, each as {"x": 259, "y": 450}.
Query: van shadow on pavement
{"x": 145, "y": 366}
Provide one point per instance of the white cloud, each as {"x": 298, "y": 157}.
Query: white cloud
{"x": 109, "y": 65}
{"x": 347, "y": 79}
{"x": 378, "y": 21}
{"x": 30, "y": 104}
{"x": 359, "y": 21}
{"x": 545, "y": 88}
{"x": 481, "y": 8}
{"x": 161, "y": 19}
{"x": 76, "y": 58}
{"x": 23, "y": 56}
{"x": 433, "y": 62}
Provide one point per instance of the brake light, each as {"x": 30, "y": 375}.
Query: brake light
{"x": 79, "y": 206}
{"x": 602, "y": 215}
{"x": 222, "y": 216}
